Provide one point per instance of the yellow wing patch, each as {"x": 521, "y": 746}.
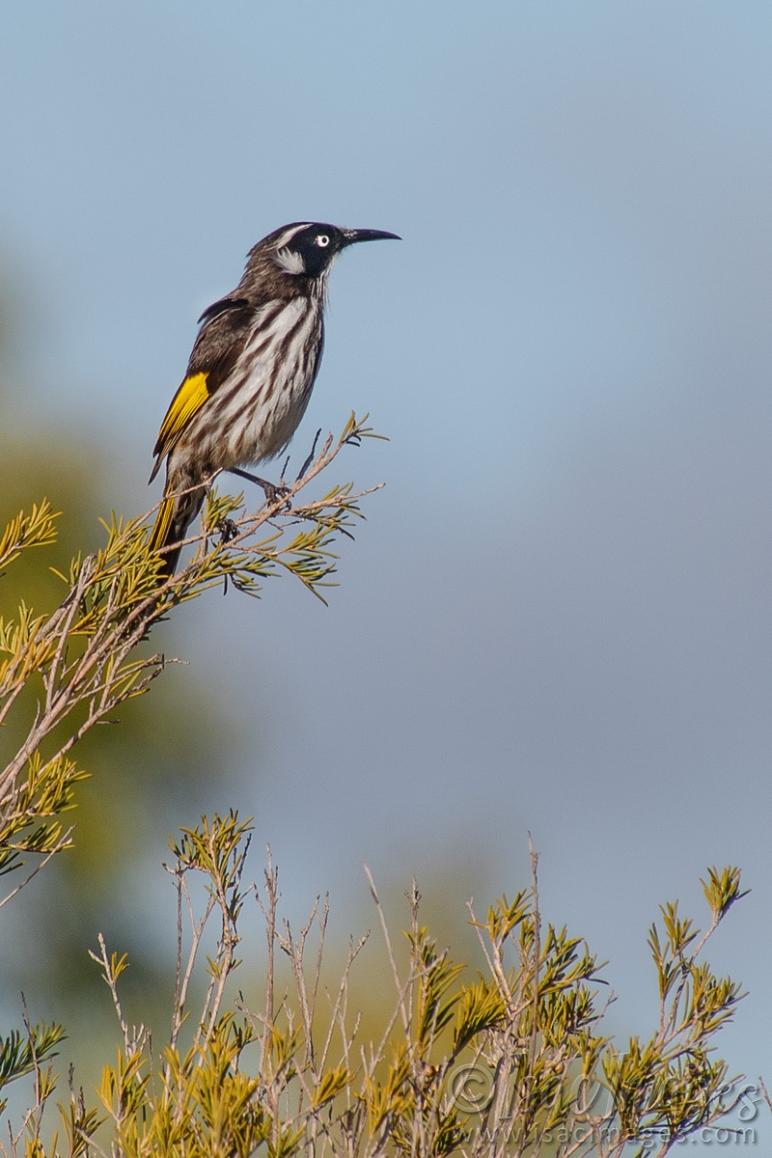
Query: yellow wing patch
{"x": 190, "y": 397}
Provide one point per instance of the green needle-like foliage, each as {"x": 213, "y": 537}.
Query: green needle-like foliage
{"x": 268, "y": 1056}
{"x": 62, "y": 672}
{"x": 510, "y": 1062}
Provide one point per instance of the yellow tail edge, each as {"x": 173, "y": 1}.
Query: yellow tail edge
{"x": 160, "y": 534}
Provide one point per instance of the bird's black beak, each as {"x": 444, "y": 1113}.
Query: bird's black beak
{"x": 353, "y": 235}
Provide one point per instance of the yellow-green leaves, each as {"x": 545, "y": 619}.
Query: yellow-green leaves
{"x": 435, "y": 997}
{"x": 667, "y": 1083}
{"x": 330, "y": 1085}
{"x": 272, "y": 1054}
{"x": 510, "y": 1062}
{"x": 43, "y": 794}
{"x": 481, "y": 1008}
{"x": 506, "y": 915}
{"x": 25, "y": 1053}
{"x": 65, "y": 670}
{"x": 37, "y": 529}
{"x": 722, "y": 889}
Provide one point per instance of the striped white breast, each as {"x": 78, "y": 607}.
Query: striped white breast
{"x": 260, "y": 405}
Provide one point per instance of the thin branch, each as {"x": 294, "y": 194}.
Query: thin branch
{"x": 63, "y": 842}
{"x": 390, "y": 951}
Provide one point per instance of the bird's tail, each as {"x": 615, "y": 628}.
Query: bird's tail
{"x": 175, "y": 515}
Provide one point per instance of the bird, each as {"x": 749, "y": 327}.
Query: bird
{"x": 250, "y": 374}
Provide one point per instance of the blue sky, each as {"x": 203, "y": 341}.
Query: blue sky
{"x": 557, "y": 616}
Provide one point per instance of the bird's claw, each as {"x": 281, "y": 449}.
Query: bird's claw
{"x": 274, "y": 493}
{"x": 228, "y": 530}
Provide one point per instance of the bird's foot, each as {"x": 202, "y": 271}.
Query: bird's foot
{"x": 273, "y": 492}
{"x": 228, "y": 530}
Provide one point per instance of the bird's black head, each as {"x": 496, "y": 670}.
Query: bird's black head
{"x": 307, "y": 249}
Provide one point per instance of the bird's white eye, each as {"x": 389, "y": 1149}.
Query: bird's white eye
{"x": 322, "y": 240}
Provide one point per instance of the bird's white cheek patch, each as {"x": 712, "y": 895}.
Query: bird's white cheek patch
{"x": 290, "y": 261}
